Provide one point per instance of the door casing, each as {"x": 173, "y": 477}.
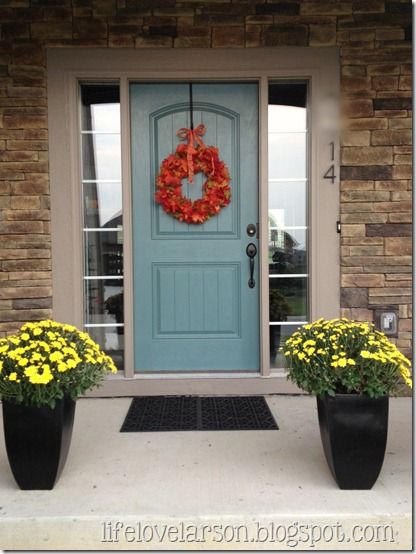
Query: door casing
{"x": 320, "y": 66}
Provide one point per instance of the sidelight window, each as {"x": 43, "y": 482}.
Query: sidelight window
{"x": 102, "y": 217}
{"x": 288, "y": 213}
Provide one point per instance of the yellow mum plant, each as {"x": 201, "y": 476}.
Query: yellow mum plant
{"x": 46, "y": 361}
{"x": 344, "y": 356}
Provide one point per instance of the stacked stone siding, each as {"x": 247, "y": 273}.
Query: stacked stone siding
{"x": 374, "y": 37}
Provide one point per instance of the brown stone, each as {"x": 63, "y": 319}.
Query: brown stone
{"x": 368, "y": 6}
{"x": 393, "y": 207}
{"x": 402, "y": 123}
{"x": 383, "y": 69}
{"x": 153, "y": 42}
{"x": 25, "y": 315}
{"x": 28, "y": 303}
{"x": 389, "y": 230}
{"x": 46, "y": 30}
{"x": 323, "y": 7}
{"x": 354, "y": 297}
{"x": 25, "y": 254}
{"x": 26, "y": 215}
{"x": 390, "y": 34}
{"x": 21, "y": 227}
{"x": 376, "y": 172}
{"x": 391, "y": 185}
{"x": 365, "y": 196}
{"x": 355, "y": 84}
{"x": 400, "y": 217}
{"x": 353, "y": 70}
{"x": 402, "y": 172}
{"x": 399, "y": 245}
{"x": 357, "y": 230}
{"x": 391, "y": 136}
{"x": 363, "y": 280}
{"x": 364, "y": 217}
{"x": 30, "y": 187}
{"x": 356, "y": 138}
{"x": 357, "y": 185}
{"x": 403, "y": 159}
{"x": 392, "y": 103}
{"x": 89, "y": 27}
{"x": 26, "y": 265}
{"x": 227, "y": 37}
{"x": 367, "y": 123}
{"x": 25, "y": 121}
{"x": 367, "y": 156}
{"x": 17, "y": 156}
{"x": 322, "y": 35}
{"x": 25, "y": 292}
{"x": 372, "y": 250}
{"x": 29, "y": 275}
{"x": 358, "y": 108}
{"x": 406, "y": 69}
{"x": 385, "y": 82}
{"x": 287, "y": 35}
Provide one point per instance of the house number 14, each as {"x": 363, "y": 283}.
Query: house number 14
{"x": 330, "y": 172}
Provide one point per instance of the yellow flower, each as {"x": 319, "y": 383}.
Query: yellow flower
{"x": 310, "y": 351}
{"x": 351, "y": 361}
{"x": 62, "y": 366}
{"x": 25, "y": 336}
{"x": 301, "y": 355}
{"x": 342, "y": 362}
{"x": 365, "y": 354}
{"x": 321, "y": 351}
{"x": 56, "y": 356}
{"x": 13, "y": 376}
{"x": 23, "y": 362}
{"x": 37, "y": 331}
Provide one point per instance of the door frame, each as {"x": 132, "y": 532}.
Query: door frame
{"x": 66, "y": 67}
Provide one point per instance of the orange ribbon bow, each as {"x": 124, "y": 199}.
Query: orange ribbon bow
{"x": 193, "y": 136}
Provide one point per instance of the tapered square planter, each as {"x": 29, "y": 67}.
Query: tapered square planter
{"x": 354, "y": 434}
{"x": 37, "y": 441}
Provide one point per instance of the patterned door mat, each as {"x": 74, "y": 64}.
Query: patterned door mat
{"x": 198, "y": 413}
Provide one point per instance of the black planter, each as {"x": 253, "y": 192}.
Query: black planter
{"x": 354, "y": 435}
{"x": 37, "y": 442}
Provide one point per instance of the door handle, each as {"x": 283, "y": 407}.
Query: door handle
{"x": 251, "y": 252}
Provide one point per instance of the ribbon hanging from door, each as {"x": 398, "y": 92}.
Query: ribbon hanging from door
{"x": 191, "y": 158}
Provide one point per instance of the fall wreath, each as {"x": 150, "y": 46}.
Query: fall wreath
{"x": 189, "y": 159}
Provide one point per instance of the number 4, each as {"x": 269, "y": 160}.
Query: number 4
{"x": 330, "y": 174}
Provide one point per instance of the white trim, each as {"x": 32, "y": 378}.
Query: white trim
{"x": 67, "y": 66}
{"x": 103, "y": 324}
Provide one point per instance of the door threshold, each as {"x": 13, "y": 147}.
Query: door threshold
{"x": 244, "y": 383}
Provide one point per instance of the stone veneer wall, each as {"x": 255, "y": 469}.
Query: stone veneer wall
{"x": 374, "y": 37}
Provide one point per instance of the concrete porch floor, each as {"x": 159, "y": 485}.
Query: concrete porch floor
{"x": 210, "y": 490}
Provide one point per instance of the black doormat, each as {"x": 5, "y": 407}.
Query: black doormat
{"x": 198, "y": 413}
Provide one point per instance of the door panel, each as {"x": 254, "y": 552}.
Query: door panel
{"x": 193, "y": 309}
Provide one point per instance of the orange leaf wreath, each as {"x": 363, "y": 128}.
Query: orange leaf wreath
{"x": 189, "y": 159}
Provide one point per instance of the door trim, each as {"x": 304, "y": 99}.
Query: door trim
{"x": 67, "y": 66}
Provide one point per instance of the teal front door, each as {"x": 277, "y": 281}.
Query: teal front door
{"x": 194, "y": 310}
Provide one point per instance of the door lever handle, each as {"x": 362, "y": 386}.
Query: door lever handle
{"x": 251, "y": 252}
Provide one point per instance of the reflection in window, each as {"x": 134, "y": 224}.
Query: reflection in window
{"x": 103, "y": 217}
{"x": 288, "y": 213}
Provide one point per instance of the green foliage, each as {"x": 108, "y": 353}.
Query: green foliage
{"x": 343, "y": 356}
{"x": 279, "y": 306}
{"x": 46, "y": 361}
